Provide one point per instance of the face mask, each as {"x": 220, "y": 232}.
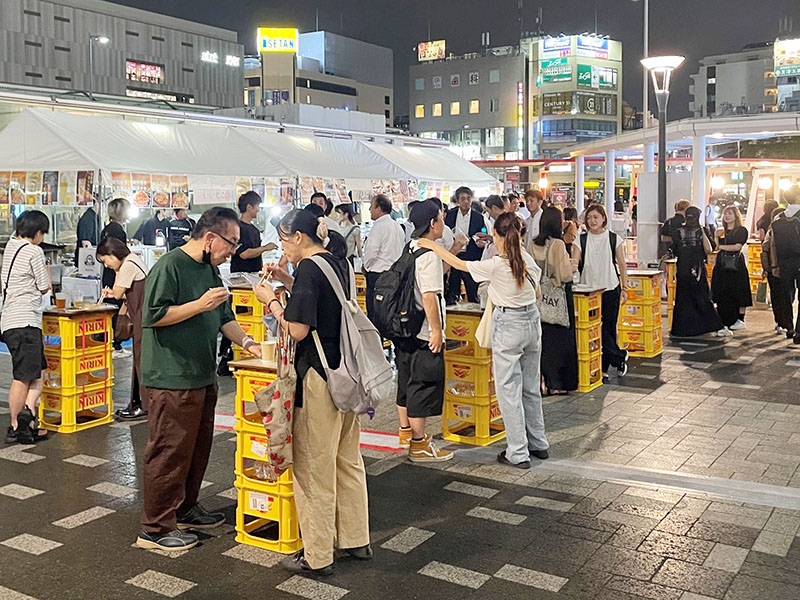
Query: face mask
{"x": 207, "y": 256}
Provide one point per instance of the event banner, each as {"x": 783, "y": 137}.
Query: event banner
{"x": 159, "y": 184}
{"x": 5, "y": 181}
{"x": 140, "y": 187}
{"x": 33, "y": 188}
{"x": 17, "y": 187}
{"x": 121, "y": 185}
{"x": 179, "y": 186}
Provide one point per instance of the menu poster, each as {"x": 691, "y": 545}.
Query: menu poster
{"x": 85, "y": 187}
{"x": 330, "y": 191}
{"x": 243, "y": 185}
{"x": 446, "y": 193}
{"x": 272, "y": 194}
{"x": 5, "y": 181}
{"x": 319, "y": 184}
{"x": 341, "y": 190}
{"x": 179, "y": 186}
{"x": 306, "y": 189}
{"x": 161, "y": 190}
{"x": 33, "y": 187}
{"x": 50, "y": 187}
{"x": 413, "y": 192}
{"x": 258, "y": 186}
{"x": 67, "y": 188}
{"x": 376, "y": 187}
{"x": 121, "y": 185}
{"x": 287, "y": 191}
{"x": 140, "y": 188}
{"x": 17, "y": 187}
{"x": 422, "y": 193}
{"x": 404, "y": 197}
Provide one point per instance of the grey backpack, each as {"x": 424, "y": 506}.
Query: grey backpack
{"x": 364, "y": 376}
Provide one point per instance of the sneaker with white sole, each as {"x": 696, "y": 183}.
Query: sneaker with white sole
{"x": 724, "y": 332}
{"x": 404, "y": 437}
{"x": 121, "y": 353}
{"x": 738, "y": 325}
{"x": 426, "y": 451}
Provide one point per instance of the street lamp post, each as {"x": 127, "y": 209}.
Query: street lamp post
{"x": 661, "y": 68}
{"x": 100, "y": 39}
{"x": 645, "y": 95}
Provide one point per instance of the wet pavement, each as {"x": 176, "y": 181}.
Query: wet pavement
{"x": 678, "y": 482}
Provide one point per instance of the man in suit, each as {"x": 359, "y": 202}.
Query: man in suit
{"x": 463, "y": 219}
{"x": 786, "y": 234}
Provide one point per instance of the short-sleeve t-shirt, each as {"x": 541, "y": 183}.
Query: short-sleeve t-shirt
{"x": 503, "y": 287}
{"x": 428, "y": 278}
{"x": 180, "y": 356}
{"x": 26, "y": 282}
{"x": 736, "y": 236}
{"x": 249, "y": 237}
{"x": 314, "y": 303}
{"x": 132, "y": 269}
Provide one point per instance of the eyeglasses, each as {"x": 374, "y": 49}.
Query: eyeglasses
{"x": 233, "y": 245}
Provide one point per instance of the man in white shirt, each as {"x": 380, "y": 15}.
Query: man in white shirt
{"x": 533, "y": 202}
{"x": 25, "y": 280}
{"x": 383, "y": 246}
{"x": 420, "y": 361}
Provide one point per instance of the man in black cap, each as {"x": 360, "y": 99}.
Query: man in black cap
{"x": 420, "y": 361}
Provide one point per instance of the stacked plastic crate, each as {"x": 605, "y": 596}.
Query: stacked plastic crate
{"x": 471, "y": 413}
{"x": 671, "y": 268}
{"x": 265, "y": 513}
{"x": 754, "y": 267}
{"x": 249, "y": 313}
{"x": 639, "y": 324}
{"x": 588, "y": 333}
{"x": 79, "y": 377}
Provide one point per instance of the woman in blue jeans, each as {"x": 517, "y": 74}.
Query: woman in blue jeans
{"x": 516, "y": 338}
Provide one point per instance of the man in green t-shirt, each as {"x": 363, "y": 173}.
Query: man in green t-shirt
{"x": 184, "y": 309}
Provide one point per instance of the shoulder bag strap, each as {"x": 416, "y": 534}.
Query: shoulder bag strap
{"x": 11, "y": 266}
{"x": 333, "y": 279}
{"x": 613, "y": 242}
{"x": 583, "y": 241}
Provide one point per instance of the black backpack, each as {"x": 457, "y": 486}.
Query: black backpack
{"x": 395, "y": 311}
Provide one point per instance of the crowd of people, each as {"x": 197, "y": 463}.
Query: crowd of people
{"x": 525, "y": 254}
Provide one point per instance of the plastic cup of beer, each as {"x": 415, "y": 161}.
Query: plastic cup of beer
{"x": 61, "y": 300}
{"x": 268, "y": 351}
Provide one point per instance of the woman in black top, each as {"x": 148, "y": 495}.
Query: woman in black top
{"x": 694, "y": 313}
{"x": 730, "y": 282}
{"x": 117, "y": 214}
{"x": 330, "y": 486}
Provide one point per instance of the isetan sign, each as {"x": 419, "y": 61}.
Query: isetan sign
{"x": 278, "y": 39}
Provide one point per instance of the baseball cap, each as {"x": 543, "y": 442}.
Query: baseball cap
{"x": 421, "y": 215}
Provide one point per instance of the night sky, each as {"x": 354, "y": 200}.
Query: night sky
{"x": 694, "y": 28}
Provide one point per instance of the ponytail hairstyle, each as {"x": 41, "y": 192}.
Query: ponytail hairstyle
{"x": 508, "y": 227}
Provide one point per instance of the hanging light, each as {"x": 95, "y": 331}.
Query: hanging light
{"x": 784, "y": 184}
{"x": 765, "y": 183}
{"x": 717, "y": 182}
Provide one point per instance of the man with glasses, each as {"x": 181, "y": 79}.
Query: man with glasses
{"x": 185, "y": 307}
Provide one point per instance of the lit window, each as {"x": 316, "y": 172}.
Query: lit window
{"x": 712, "y": 80}
{"x": 494, "y": 105}
{"x": 308, "y": 99}
{"x": 419, "y": 111}
{"x": 474, "y": 107}
{"x": 437, "y": 109}
{"x": 419, "y": 83}
{"x": 455, "y": 108}
{"x": 494, "y": 76}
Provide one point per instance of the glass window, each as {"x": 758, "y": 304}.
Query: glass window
{"x": 494, "y": 75}
{"x": 387, "y": 100}
{"x": 455, "y": 108}
{"x": 419, "y": 111}
{"x": 419, "y": 83}
{"x": 474, "y": 107}
{"x": 494, "y": 105}
{"x": 437, "y": 109}
{"x": 495, "y": 137}
{"x": 388, "y": 114}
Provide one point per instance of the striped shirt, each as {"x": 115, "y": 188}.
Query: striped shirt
{"x": 29, "y": 278}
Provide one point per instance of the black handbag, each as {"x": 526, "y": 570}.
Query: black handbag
{"x": 728, "y": 261}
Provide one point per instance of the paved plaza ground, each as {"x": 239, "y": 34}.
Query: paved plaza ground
{"x": 679, "y": 481}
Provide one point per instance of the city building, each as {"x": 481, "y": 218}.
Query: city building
{"x": 97, "y": 46}
{"x": 575, "y": 92}
{"x": 475, "y": 101}
{"x": 322, "y": 69}
{"x": 762, "y": 77}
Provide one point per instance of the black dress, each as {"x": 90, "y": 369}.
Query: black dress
{"x": 694, "y": 313}
{"x": 559, "y": 361}
{"x": 730, "y": 289}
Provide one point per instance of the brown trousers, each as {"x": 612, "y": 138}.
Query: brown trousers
{"x": 176, "y": 456}
{"x": 330, "y": 484}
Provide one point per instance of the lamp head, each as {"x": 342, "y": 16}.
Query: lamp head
{"x": 662, "y": 63}
{"x": 103, "y": 39}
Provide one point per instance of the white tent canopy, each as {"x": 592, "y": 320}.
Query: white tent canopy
{"x": 59, "y": 141}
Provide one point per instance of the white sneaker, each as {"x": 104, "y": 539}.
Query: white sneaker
{"x": 121, "y": 353}
{"x": 724, "y": 332}
{"x": 738, "y": 325}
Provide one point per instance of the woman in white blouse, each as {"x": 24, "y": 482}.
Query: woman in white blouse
{"x": 516, "y": 337}
{"x": 602, "y": 269}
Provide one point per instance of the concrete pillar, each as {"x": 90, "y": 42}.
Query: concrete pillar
{"x": 649, "y": 153}
{"x": 579, "y": 179}
{"x": 610, "y": 181}
{"x": 699, "y": 172}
